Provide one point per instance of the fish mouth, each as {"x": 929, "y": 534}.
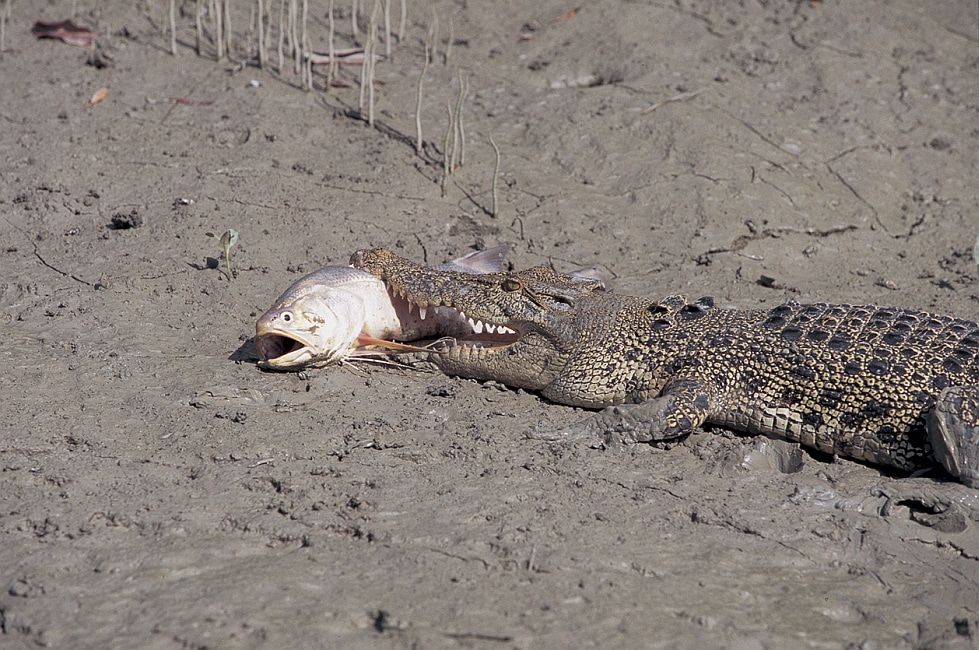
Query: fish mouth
{"x": 282, "y": 350}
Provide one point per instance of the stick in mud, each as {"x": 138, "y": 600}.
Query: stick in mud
{"x": 260, "y": 29}
{"x": 282, "y": 33}
{"x": 433, "y": 34}
{"x": 219, "y": 27}
{"x": 460, "y": 135}
{"x": 364, "y": 76}
{"x": 173, "y": 27}
{"x": 267, "y": 36}
{"x": 227, "y": 29}
{"x": 449, "y": 132}
{"x": 402, "y": 21}
{"x": 387, "y": 27}
{"x": 496, "y": 178}
{"x": 305, "y": 59}
{"x": 332, "y": 69}
{"x": 4, "y": 14}
{"x": 419, "y": 143}
{"x": 285, "y": 34}
{"x": 294, "y": 44}
{"x": 198, "y": 24}
{"x": 369, "y": 59}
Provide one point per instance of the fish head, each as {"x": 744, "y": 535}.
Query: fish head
{"x": 339, "y": 311}
{"x": 307, "y": 330}
{"x": 309, "y": 323}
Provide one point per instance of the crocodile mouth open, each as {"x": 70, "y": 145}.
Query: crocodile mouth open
{"x": 454, "y": 323}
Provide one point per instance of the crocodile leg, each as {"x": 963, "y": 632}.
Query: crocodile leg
{"x": 683, "y": 405}
{"x": 953, "y": 426}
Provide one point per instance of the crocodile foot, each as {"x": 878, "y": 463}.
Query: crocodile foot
{"x": 948, "y": 507}
{"x": 953, "y": 426}
{"x": 622, "y": 425}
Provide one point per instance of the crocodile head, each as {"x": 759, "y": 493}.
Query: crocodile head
{"x": 523, "y": 322}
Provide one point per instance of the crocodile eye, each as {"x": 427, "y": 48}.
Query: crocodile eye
{"x": 510, "y": 284}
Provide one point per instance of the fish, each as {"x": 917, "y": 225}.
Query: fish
{"x": 339, "y": 312}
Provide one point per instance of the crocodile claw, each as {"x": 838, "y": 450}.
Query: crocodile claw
{"x": 620, "y": 426}
{"x": 949, "y": 507}
{"x": 585, "y": 432}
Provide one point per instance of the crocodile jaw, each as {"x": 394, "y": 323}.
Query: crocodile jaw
{"x": 422, "y": 319}
{"x": 527, "y": 363}
{"x": 512, "y": 353}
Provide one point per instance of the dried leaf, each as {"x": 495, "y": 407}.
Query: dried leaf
{"x": 98, "y": 96}
{"x": 567, "y": 16}
{"x": 64, "y": 30}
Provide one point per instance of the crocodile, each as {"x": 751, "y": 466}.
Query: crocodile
{"x": 885, "y": 385}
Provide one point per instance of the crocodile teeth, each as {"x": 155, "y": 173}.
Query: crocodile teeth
{"x": 422, "y": 312}
{"x": 479, "y": 326}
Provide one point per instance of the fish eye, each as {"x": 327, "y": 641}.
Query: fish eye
{"x": 511, "y": 284}
{"x": 286, "y": 317}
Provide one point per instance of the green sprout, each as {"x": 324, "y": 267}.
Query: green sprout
{"x": 228, "y": 239}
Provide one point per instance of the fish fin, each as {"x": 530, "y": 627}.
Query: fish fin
{"x": 364, "y": 340}
{"x": 593, "y": 273}
{"x": 490, "y": 260}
